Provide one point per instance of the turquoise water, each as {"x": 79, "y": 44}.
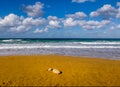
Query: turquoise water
{"x": 29, "y": 40}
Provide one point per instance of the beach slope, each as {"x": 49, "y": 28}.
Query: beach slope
{"x": 76, "y": 71}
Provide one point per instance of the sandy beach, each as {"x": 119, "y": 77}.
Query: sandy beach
{"x": 76, "y": 71}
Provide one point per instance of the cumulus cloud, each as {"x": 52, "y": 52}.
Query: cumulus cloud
{"x": 69, "y": 22}
{"x": 118, "y": 14}
{"x": 118, "y": 3}
{"x": 118, "y": 26}
{"x": 53, "y": 22}
{"x": 90, "y": 24}
{"x": 40, "y": 30}
{"x": 33, "y": 22}
{"x": 77, "y": 15}
{"x": 16, "y": 23}
{"x": 82, "y": 1}
{"x": 52, "y": 18}
{"x": 29, "y": 23}
{"x": 115, "y": 26}
{"x": 106, "y": 12}
{"x": 34, "y": 10}
{"x": 10, "y": 20}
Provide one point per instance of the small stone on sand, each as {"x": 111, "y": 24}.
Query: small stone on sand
{"x": 56, "y": 71}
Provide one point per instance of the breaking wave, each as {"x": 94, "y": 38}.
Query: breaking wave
{"x": 13, "y": 41}
{"x": 52, "y": 47}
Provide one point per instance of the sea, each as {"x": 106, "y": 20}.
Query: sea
{"x": 87, "y": 47}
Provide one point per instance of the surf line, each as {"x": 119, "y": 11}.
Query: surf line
{"x": 37, "y": 47}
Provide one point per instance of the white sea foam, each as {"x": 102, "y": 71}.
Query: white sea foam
{"x": 37, "y": 47}
{"x": 102, "y": 42}
{"x": 12, "y": 40}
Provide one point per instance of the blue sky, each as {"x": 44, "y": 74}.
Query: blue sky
{"x": 60, "y": 19}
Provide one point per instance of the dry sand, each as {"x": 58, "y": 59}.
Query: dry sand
{"x": 77, "y": 71}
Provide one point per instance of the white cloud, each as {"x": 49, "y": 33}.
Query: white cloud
{"x": 34, "y": 10}
{"x": 77, "y": 15}
{"x": 115, "y": 26}
{"x": 107, "y": 11}
{"x": 118, "y": 14}
{"x": 69, "y": 22}
{"x": 52, "y": 18}
{"x": 82, "y": 1}
{"x": 16, "y": 23}
{"x": 112, "y": 27}
{"x": 40, "y": 30}
{"x": 19, "y": 28}
{"x": 118, "y": 3}
{"x": 91, "y": 24}
{"x": 118, "y": 26}
{"x": 94, "y": 14}
{"x": 33, "y": 22}
{"x": 10, "y": 20}
{"x": 46, "y": 29}
{"x": 28, "y": 23}
{"x": 53, "y": 22}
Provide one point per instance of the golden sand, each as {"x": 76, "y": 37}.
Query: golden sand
{"x": 77, "y": 71}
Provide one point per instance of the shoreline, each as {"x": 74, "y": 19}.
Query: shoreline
{"x": 87, "y": 57}
{"x": 77, "y": 71}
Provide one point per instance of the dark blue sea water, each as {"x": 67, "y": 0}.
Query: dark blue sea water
{"x": 102, "y": 48}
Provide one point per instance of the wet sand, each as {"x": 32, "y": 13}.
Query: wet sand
{"x": 76, "y": 71}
